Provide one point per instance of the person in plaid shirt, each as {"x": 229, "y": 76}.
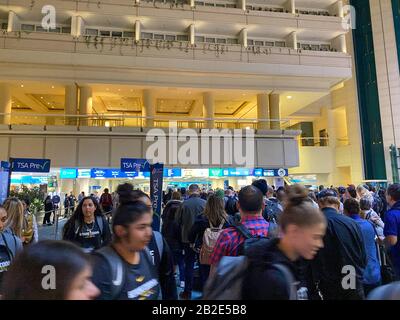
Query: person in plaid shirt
{"x": 251, "y": 206}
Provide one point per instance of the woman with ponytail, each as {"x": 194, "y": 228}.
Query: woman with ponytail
{"x": 124, "y": 270}
{"x": 274, "y": 264}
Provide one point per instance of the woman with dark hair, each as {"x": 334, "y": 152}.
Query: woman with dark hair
{"x": 48, "y": 209}
{"x": 274, "y": 262}
{"x": 172, "y": 233}
{"x": 159, "y": 249}
{"x": 87, "y": 227}
{"x": 70, "y": 266}
{"x": 125, "y": 270}
{"x": 215, "y": 219}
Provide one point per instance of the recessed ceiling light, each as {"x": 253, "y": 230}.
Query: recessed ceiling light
{"x": 52, "y": 87}
{"x": 22, "y": 85}
{"x": 289, "y": 97}
{"x": 119, "y": 89}
{"x": 41, "y": 97}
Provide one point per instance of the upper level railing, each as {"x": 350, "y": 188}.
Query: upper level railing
{"x": 141, "y": 122}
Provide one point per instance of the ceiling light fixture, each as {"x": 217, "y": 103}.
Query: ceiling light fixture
{"x": 22, "y": 85}
{"x": 289, "y": 97}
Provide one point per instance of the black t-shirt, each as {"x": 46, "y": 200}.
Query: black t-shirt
{"x": 140, "y": 281}
{"x": 5, "y": 261}
{"x": 89, "y": 237}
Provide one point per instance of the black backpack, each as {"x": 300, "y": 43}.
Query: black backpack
{"x": 226, "y": 282}
{"x": 118, "y": 272}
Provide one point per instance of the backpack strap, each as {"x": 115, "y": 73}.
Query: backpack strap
{"x": 117, "y": 270}
{"x": 290, "y": 280}
{"x": 159, "y": 242}
{"x": 244, "y": 231}
{"x": 99, "y": 220}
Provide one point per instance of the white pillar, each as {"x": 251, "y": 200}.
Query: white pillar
{"x": 5, "y": 103}
{"x": 242, "y": 4}
{"x": 138, "y": 34}
{"x": 209, "y": 109}
{"x": 291, "y": 6}
{"x": 243, "y": 38}
{"x": 192, "y": 34}
{"x": 263, "y": 111}
{"x": 274, "y": 111}
{"x": 149, "y": 107}
{"x": 85, "y": 104}
{"x": 339, "y": 43}
{"x": 77, "y": 26}
{"x": 192, "y": 3}
{"x": 337, "y": 9}
{"x": 13, "y": 22}
{"x": 71, "y": 103}
{"x": 291, "y": 40}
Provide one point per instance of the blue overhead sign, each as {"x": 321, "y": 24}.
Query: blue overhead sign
{"x": 276, "y": 172}
{"x": 130, "y": 165}
{"x": 111, "y": 173}
{"x": 30, "y": 165}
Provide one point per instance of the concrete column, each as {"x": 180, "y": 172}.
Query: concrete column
{"x": 149, "y": 107}
{"x": 196, "y": 113}
{"x": 85, "y": 104}
{"x": 339, "y": 43}
{"x": 138, "y": 32}
{"x": 5, "y": 103}
{"x": 275, "y": 111}
{"x": 71, "y": 104}
{"x": 291, "y": 40}
{"x": 290, "y": 6}
{"x": 192, "y": 33}
{"x": 243, "y": 38}
{"x": 192, "y": 3}
{"x": 13, "y": 22}
{"x": 263, "y": 111}
{"x": 209, "y": 109}
{"x": 242, "y": 4}
{"x": 77, "y": 26}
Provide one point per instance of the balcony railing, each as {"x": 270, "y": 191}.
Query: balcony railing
{"x": 136, "y": 121}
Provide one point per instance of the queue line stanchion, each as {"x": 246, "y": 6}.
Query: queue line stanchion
{"x": 56, "y": 224}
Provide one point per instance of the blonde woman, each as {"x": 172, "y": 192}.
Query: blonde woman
{"x": 363, "y": 192}
{"x": 15, "y": 216}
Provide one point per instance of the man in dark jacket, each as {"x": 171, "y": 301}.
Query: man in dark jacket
{"x": 185, "y": 217}
{"x": 343, "y": 252}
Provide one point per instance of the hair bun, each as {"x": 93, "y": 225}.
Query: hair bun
{"x": 124, "y": 192}
{"x": 296, "y": 195}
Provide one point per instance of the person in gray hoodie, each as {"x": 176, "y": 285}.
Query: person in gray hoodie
{"x": 185, "y": 217}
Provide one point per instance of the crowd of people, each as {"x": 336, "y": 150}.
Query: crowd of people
{"x": 259, "y": 242}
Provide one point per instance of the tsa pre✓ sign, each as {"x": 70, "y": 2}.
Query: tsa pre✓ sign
{"x": 30, "y": 165}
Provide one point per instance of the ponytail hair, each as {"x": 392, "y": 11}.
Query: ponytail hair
{"x": 299, "y": 209}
